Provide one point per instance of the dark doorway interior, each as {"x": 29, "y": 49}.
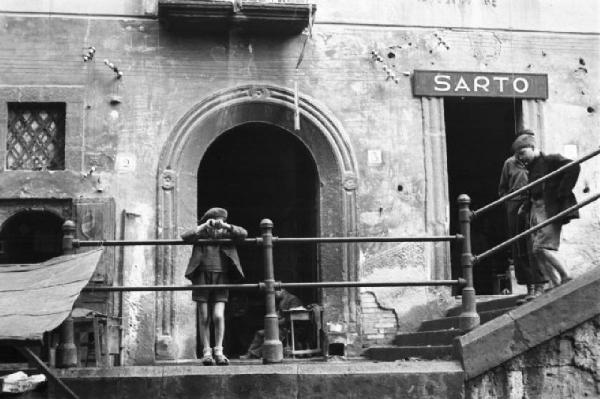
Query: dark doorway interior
{"x": 31, "y": 236}
{"x": 479, "y": 133}
{"x": 258, "y": 171}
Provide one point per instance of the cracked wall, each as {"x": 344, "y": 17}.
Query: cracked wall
{"x": 567, "y": 366}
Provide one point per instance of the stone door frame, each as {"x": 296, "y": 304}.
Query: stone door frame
{"x": 437, "y": 201}
{"x": 337, "y": 170}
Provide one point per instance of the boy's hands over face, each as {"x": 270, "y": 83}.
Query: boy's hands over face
{"x": 216, "y": 224}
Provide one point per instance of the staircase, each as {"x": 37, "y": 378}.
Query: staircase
{"x": 434, "y": 338}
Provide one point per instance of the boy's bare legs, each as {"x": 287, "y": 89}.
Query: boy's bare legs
{"x": 556, "y": 264}
{"x": 204, "y": 330}
{"x": 551, "y": 266}
{"x": 546, "y": 267}
{"x": 219, "y": 323}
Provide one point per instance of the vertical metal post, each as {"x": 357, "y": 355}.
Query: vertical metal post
{"x": 469, "y": 318}
{"x": 272, "y": 350}
{"x": 66, "y": 352}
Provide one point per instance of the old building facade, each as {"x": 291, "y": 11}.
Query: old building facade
{"x": 221, "y": 103}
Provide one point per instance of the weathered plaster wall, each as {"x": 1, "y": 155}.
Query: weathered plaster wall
{"x": 166, "y": 73}
{"x": 550, "y": 15}
{"x": 567, "y": 366}
{"x": 85, "y": 7}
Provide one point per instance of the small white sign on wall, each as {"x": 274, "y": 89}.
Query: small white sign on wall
{"x": 125, "y": 162}
{"x": 570, "y": 151}
{"x": 374, "y": 157}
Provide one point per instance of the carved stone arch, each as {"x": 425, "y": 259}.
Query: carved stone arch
{"x": 330, "y": 147}
{"x": 19, "y": 211}
{"x": 21, "y": 246}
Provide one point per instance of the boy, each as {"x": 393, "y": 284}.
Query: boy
{"x": 209, "y": 265}
{"x": 546, "y": 200}
{"x": 514, "y": 176}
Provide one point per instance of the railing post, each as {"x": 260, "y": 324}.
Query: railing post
{"x": 66, "y": 352}
{"x": 469, "y": 318}
{"x": 272, "y": 350}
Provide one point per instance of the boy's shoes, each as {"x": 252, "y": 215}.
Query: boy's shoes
{"x": 526, "y": 298}
{"x": 219, "y": 356}
{"x": 538, "y": 290}
{"x": 529, "y": 296}
{"x": 221, "y": 360}
{"x": 208, "y": 360}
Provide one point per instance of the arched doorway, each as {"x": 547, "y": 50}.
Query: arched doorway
{"x": 30, "y": 237}
{"x": 177, "y": 202}
{"x": 256, "y": 171}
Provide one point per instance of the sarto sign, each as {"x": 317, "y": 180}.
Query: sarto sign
{"x": 477, "y": 84}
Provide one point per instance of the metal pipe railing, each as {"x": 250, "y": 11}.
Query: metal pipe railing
{"x": 325, "y": 240}
{"x": 342, "y": 284}
{"x": 534, "y": 183}
{"x": 129, "y": 243}
{"x": 137, "y": 288}
{"x": 558, "y": 216}
{"x": 272, "y": 348}
{"x": 258, "y": 241}
{"x": 468, "y": 318}
{"x": 66, "y": 351}
{"x": 277, "y": 285}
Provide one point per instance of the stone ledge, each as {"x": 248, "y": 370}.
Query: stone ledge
{"x": 349, "y": 379}
{"x": 530, "y": 324}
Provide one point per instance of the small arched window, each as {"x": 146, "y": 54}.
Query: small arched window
{"x": 30, "y": 237}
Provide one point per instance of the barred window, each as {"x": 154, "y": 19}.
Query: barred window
{"x": 36, "y": 136}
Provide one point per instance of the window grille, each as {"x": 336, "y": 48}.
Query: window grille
{"x": 36, "y": 136}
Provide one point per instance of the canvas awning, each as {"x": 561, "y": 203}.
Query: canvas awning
{"x": 38, "y": 297}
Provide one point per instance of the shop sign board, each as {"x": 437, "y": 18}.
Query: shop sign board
{"x": 479, "y": 84}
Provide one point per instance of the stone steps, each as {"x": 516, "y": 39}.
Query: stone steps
{"x": 390, "y": 353}
{"x": 443, "y": 323}
{"x": 446, "y": 323}
{"x": 434, "y": 339}
{"x": 423, "y": 338}
{"x": 488, "y": 302}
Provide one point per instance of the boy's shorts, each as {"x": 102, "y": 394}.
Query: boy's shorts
{"x": 210, "y": 278}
